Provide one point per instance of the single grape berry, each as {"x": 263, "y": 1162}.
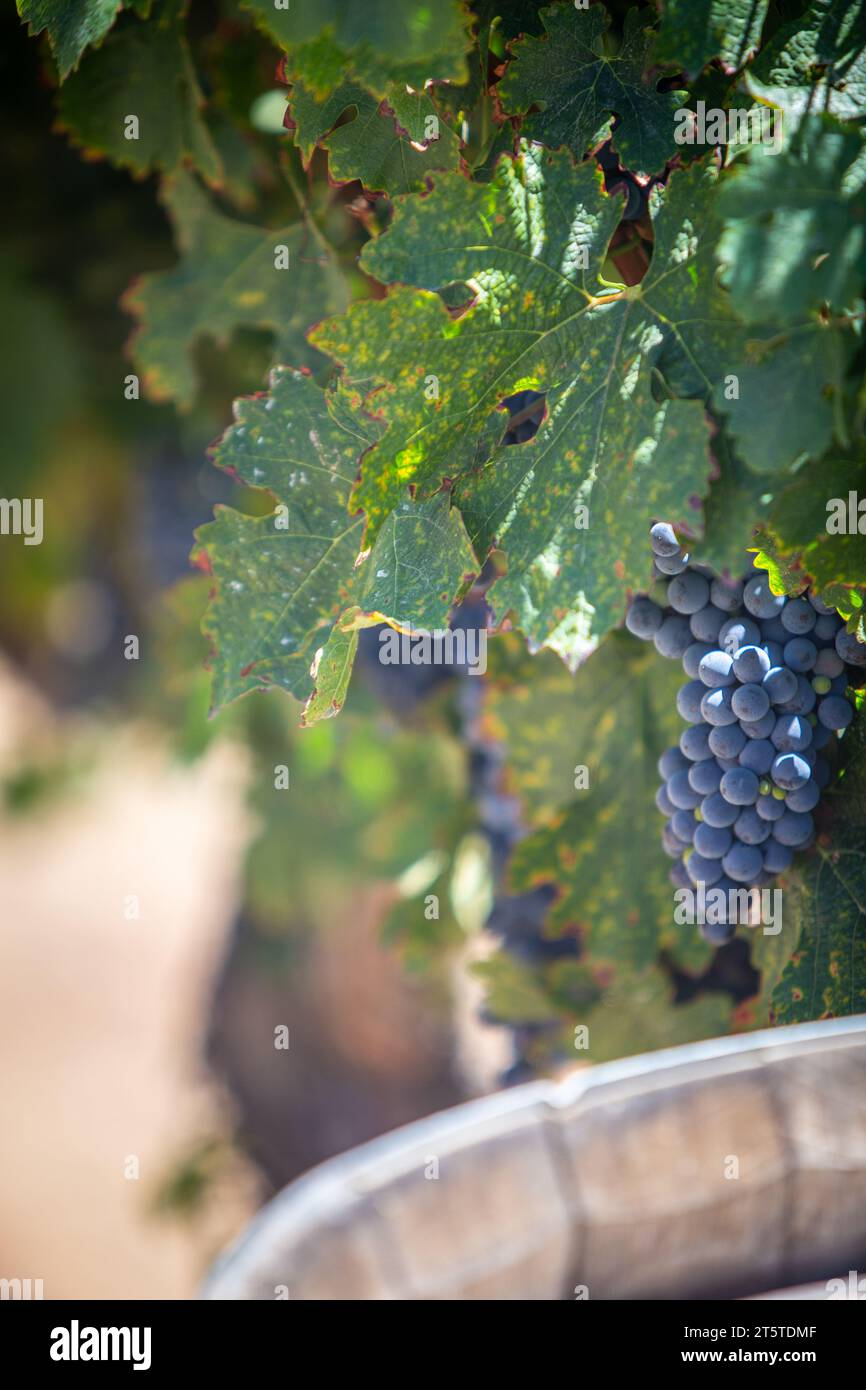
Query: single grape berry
{"x": 706, "y": 624}
{"x": 711, "y": 841}
{"x": 743, "y": 863}
{"x": 673, "y": 637}
{"x": 834, "y": 712}
{"x": 751, "y": 828}
{"x": 750, "y": 702}
{"x": 789, "y": 771}
{"x": 780, "y": 684}
{"x": 672, "y": 760}
{"x": 798, "y": 617}
{"x": 715, "y": 810}
{"x": 701, "y": 870}
{"x": 726, "y": 596}
{"x": 644, "y": 618}
{"x": 717, "y": 669}
{"x": 663, "y": 539}
{"x": 693, "y": 656}
{"x": 726, "y": 740}
{"x": 758, "y": 755}
{"x": 759, "y": 598}
{"x": 671, "y": 564}
{"x": 688, "y": 592}
{"x": 751, "y": 665}
{"x": 800, "y": 654}
{"x": 739, "y": 787}
{"x": 689, "y": 701}
{"x": 716, "y": 705}
{"x": 794, "y": 829}
{"x": 705, "y": 776}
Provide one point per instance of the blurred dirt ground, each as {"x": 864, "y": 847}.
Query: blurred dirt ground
{"x": 102, "y": 1015}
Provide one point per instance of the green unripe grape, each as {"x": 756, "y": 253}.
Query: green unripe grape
{"x": 779, "y": 793}
{"x": 765, "y": 786}
{"x": 697, "y": 813}
{"x": 821, "y": 684}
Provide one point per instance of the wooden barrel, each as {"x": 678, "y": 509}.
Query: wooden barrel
{"x": 719, "y": 1169}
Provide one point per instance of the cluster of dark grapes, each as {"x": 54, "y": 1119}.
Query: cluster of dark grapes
{"x": 766, "y": 692}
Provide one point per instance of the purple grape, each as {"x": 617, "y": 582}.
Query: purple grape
{"x": 663, "y": 801}
{"x": 695, "y": 742}
{"x": 773, "y": 632}
{"x": 737, "y": 633}
{"x": 820, "y": 606}
{"x": 791, "y": 734}
{"x": 678, "y": 876}
{"x": 751, "y": 828}
{"x": 716, "y": 811}
{"x": 759, "y": 728}
{"x": 689, "y": 698}
{"x": 663, "y": 539}
{"x": 777, "y": 858}
{"x": 800, "y": 654}
{"x": 758, "y": 755}
{"x": 759, "y": 598}
{"x": 716, "y": 669}
{"x": 768, "y": 808}
{"x": 780, "y": 684}
{"x": 726, "y": 740}
{"x": 850, "y": 649}
{"x": 751, "y": 664}
{"x": 644, "y": 618}
{"x": 673, "y": 637}
{"x": 688, "y": 592}
{"x": 726, "y": 596}
{"x": 706, "y": 623}
{"x": 789, "y": 771}
{"x": 743, "y": 863}
{"x": 682, "y": 795}
{"x": 828, "y": 663}
{"x": 671, "y": 564}
{"x": 693, "y": 656}
{"x": 805, "y": 798}
{"x": 683, "y": 825}
{"x": 704, "y": 777}
{"x": 825, "y": 628}
{"x": 750, "y": 702}
{"x": 794, "y": 829}
{"x": 834, "y": 712}
{"x": 712, "y": 841}
{"x": 798, "y": 617}
{"x": 671, "y": 845}
{"x": 716, "y": 705}
{"x": 701, "y": 870}
{"x": 672, "y": 760}
{"x": 739, "y": 787}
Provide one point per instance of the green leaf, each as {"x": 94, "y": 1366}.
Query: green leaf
{"x": 580, "y": 88}
{"x": 227, "y": 277}
{"x": 826, "y": 975}
{"x": 541, "y": 320}
{"x": 600, "y": 846}
{"x": 313, "y": 117}
{"x": 370, "y": 147}
{"x": 143, "y": 70}
{"x": 72, "y": 26}
{"x": 377, "y": 43}
{"x": 801, "y": 513}
{"x": 736, "y": 501}
{"x": 282, "y": 579}
{"x": 694, "y": 32}
{"x": 816, "y": 63}
{"x": 332, "y": 673}
{"x": 796, "y": 225}
{"x": 802, "y": 373}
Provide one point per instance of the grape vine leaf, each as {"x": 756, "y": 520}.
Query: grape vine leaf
{"x": 581, "y": 90}
{"x": 72, "y": 25}
{"x": 227, "y": 276}
{"x": 815, "y": 63}
{"x": 805, "y": 364}
{"x": 376, "y": 43}
{"x": 794, "y": 234}
{"x": 737, "y": 497}
{"x": 599, "y": 846}
{"x": 694, "y": 32}
{"x": 801, "y": 513}
{"x": 826, "y": 975}
{"x": 388, "y": 146}
{"x": 144, "y": 71}
{"x": 371, "y": 148}
{"x": 532, "y": 242}
{"x": 282, "y": 580}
